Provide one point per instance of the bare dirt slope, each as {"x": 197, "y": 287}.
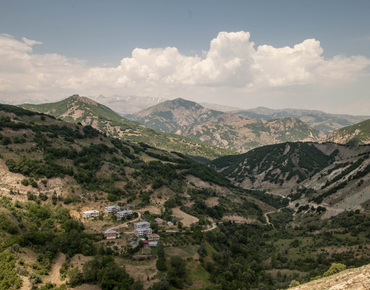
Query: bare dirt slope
{"x": 358, "y": 278}
{"x": 186, "y": 219}
{"x": 54, "y": 276}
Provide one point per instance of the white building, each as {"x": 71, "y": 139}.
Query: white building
{"x": 143, "y": 231}
{"x": 122, "y": 214}
{"x": 143, "y": 224}
{"x": 90, "y": 214}
{"x": 112, "y": 208}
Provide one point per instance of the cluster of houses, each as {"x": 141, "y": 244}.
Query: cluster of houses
{"x": 141, "y": 228}
{"x": 108, "y": 209}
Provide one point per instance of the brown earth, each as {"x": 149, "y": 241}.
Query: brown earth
{"x": 79, "y": 259}
{"x": 54, "y": 275}
{"x": 140, "y": 270}
{"x": 238, "y": 219}
{"x": 186, "y": 219}
{"x": 352, "y": 279}
{"x": 212, "y": 201}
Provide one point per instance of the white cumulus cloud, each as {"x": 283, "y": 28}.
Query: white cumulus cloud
{"x": 30, "y": 42}
{"x": 232, "y": 61}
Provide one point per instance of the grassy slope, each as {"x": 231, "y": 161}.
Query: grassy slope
{"x": 229, "y": 248}
{"x": 357, "y": 134}
{"x": 170, "y": 115}
{"x": 242, "y": 137}
{"x": 86, "y": 111}
{"x": 291, "y": 159}
{"x": 324, "y": 122}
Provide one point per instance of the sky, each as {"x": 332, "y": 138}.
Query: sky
{"x": 277, "y": 54}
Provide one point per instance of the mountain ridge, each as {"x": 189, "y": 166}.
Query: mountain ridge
{"x": 76, "y": 109}
{"x": 171, "y": 114}
{"x": 322, "y": 121}
{"x": 224, "y": 130}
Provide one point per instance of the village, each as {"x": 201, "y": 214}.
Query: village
{"x": 142, "y": 229}
{"x": 131, "y": 232}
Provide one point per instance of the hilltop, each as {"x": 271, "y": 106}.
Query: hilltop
{"x": 84, "y": 111}
{"x": 170, "y": 115}
{"x": 358, "y": 134}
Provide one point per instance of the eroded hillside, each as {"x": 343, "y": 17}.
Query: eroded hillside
{"x": 358, "y": 134}
{"x": 84, "y": 111}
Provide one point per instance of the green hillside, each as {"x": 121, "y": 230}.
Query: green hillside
{"x": 241, "y": 134}
{"x": 278, "y": 163}
{"x": 81, "y": 110}
{"x": 223, "y": 236}
{"x": 358, "y": 134}
{"x": 224, "y": 130}
{"x": 170, "y": 115}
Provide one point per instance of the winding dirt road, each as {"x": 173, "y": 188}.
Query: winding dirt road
{"x": 120, "y": 226}
{"x": 210, "y": 229}
{"x": 267, "y": 218}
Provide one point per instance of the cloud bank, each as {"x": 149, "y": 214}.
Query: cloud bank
{"x": 232, "y": 62}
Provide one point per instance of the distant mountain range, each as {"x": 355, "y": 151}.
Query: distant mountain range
{"x": 76, "y": 109}
{"x": 240, "y": 131}
{"x": 224, "y": 130}
{"x": 136, "y": 107}
{"x": 324, "y": 122}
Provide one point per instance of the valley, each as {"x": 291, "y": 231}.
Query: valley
{"x": 269, "y": 218}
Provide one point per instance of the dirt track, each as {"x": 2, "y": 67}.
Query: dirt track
{"x": 121, "y": 225}
{"x": 54, "y": 276}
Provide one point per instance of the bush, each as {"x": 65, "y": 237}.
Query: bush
{"x": 334, "y": 269}
{"x": 294, "y": 283}
{"x": 25, "y": 182}
{"x": 30, "y": 196}
{"x": 34, "y": 279}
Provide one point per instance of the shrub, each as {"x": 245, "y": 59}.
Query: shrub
{"x": 294, "y": 283}
{"x": 34, "y": 279}
{"x": 334, "y": 269}
{"x": 25, "y": 182}
{"x": 30, "y": 196}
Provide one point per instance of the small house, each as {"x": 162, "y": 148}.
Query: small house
{"x": 122, "y": 214}
{"x": 153, "y": 244}
{"x": 112, "y": 208}
{"x": 170, "y": 224}
{"x": 153, "y": 237}
{"x": 159, "y": 221}
{"x": 143, "y": 224}
{"x": 143, "y": 231}
{"x": 146, "y": 243}
{"x": 90, "y": 214}
{"x": 110, "y": 234}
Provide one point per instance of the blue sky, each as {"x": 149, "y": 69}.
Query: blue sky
{"x": 79, "y": 45}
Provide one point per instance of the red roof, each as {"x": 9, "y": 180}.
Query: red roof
{"x": 145, "y": 242}
{"x": 153, "y": 236}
